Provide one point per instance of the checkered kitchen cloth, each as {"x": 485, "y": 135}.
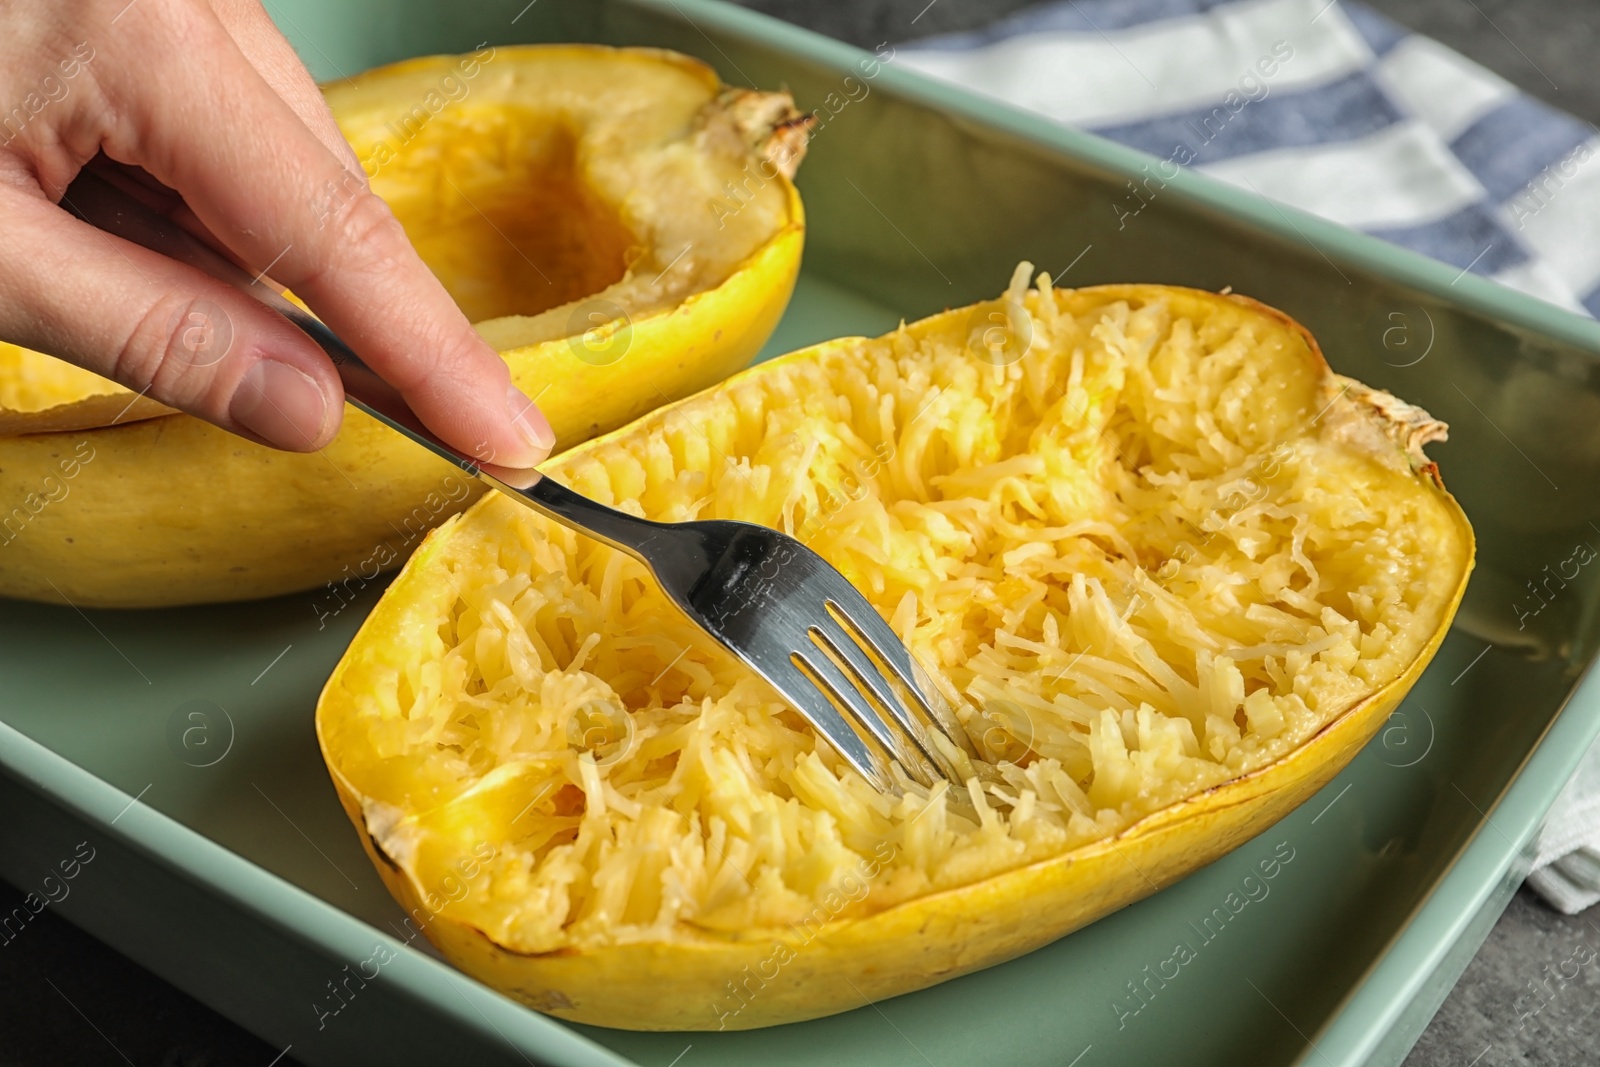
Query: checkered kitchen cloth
{"x": 1332, "y": 108}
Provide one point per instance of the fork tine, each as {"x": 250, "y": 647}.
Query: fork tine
{"x": 838, "y": 688}
{"x": 803, "y": 691}
{"x": 862, "y": 621}
{"x": 909, "y": 743}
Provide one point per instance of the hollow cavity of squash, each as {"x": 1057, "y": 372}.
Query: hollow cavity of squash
{"x": 526, "y": 236}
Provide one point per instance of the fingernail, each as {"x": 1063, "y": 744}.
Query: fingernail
{"x": 530, "y": 422}
{"x": 281, "y": 404}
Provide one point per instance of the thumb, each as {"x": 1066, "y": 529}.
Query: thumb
{"x": 160, "y": 328}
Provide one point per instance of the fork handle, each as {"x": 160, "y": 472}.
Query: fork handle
{"x": 622, "y": 531}
{"x": 99, "y": 202}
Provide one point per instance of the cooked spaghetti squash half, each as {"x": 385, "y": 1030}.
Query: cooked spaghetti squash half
{"x": 1173, "y": 570}
{"x": 616, "y": 222}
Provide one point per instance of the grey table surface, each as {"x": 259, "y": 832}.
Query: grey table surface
{"x": 1510, "y": 1007}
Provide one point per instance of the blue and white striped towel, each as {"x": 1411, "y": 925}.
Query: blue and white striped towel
{"x": 1330, "y": 107}
{"x": 1326, "y": 106}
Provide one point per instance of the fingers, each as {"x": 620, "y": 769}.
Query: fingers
{"x": 253, "y": 30}
{"x": 256, "y": 176}
{"x": 160, "y": 328}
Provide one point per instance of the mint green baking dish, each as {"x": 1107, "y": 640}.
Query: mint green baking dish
{"x": 242, "y": 882}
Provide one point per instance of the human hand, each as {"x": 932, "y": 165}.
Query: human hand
{"x": 208, "y": 106}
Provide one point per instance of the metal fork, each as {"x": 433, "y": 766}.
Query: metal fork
{"x": 764, "y": 596}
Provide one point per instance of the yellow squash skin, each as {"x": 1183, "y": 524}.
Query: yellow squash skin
{"x": 685, "y": 983}
{"x": 163, "y": 509}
